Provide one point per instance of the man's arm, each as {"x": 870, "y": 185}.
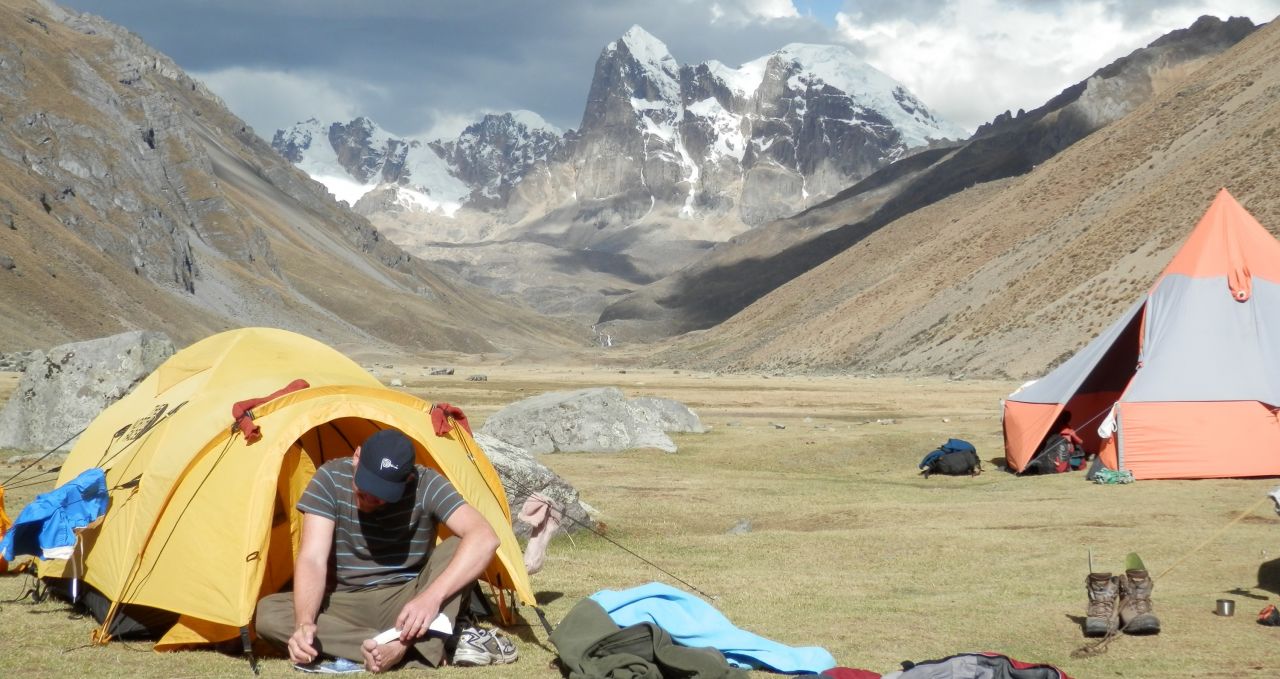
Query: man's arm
{"x": 309, "y": 576}
{"x": 475, "y": 551}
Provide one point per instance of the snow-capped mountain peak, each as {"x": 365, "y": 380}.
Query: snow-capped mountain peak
{"x": 351, "y": 159}
{"x": 645, "y": 47}
{"x": 744, "y": 80}
{"x": 762, "y": 140}
{"x": 814, "y": 66}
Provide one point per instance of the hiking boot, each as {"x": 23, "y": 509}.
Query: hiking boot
{"x": 1100, "y": 618}
{"x": 1136, "y": 616}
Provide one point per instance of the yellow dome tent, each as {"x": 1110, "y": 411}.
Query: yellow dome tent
{"x": 201, "y": 522}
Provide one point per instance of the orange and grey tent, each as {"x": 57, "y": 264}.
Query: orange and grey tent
{"x": 202, "y": 520}
{"x": 1190, "y": 373}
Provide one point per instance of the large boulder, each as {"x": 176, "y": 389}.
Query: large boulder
{"x": 598, "y": 420}
{"x": 62, "y": 390}
{"x": 522, "y": 475}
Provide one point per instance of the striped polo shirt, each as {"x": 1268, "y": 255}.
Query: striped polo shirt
{"x": 389, "y": 545}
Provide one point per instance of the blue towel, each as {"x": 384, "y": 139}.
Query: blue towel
{"x": 51, "y": 519}
{"x": 693, "y": 622}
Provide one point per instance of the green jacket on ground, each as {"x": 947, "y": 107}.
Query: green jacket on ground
{"x": 592, "y": 646}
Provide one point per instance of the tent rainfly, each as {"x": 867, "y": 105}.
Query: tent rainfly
{"x": 1190, "y": 373}
{"x": 202, "y": 520}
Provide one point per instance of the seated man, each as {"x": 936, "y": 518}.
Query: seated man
{"x": 373, "y": 516}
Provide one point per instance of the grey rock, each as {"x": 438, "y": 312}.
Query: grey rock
{"x": 589, "y": 420}
{"x": 478, "y": 378}
{"x": 672, "y": 416}
{"x": 62, "y": 390}
{"x": 522, "y": 475}
{"x": 7, "y": 263}
{"x": 742, "y": 527}
{"x": 442, "y": 371}
{"x": 16, "y": 362}
{"x": 397, "y": 382}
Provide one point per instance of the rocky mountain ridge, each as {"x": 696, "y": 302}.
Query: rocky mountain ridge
{"x": 704, "y": 138}
{"x": 668, "y": 160}
{"x": 132, "y": 199}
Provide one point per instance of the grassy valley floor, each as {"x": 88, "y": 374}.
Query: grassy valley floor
{"x": 801, "y": 513}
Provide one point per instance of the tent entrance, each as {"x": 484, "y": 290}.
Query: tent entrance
{"x": 327, "y": 441}
{"x": 1104, "y": 384}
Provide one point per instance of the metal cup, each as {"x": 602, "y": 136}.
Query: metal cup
{"x": 1226, "y": 607}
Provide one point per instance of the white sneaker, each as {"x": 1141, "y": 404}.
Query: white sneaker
{"x": 506, "y": 649}
{"x": 472, "y": 650}
{"x": 477, "y": 647}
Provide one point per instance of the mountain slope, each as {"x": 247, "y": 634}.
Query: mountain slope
{"x": 1010, "y": 277}
{"x": 131, "y": 198}
{"x": 736, "y": 274}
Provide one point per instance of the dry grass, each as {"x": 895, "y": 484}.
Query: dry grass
{"x": 848, "y": 547}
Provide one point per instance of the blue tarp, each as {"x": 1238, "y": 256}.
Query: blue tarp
{"x": 49, "y": 522}
{"x": 693, "y": 622}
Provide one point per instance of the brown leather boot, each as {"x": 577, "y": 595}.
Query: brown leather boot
{"x": 1136, "y": 616}
{"x": 1100, "y": 617}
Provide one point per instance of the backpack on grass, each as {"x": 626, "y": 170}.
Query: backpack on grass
{"x": 956, "y": 457}
{"x": 1059, "y": 454}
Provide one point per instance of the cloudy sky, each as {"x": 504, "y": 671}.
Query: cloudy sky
{"x": 428, "y": 67}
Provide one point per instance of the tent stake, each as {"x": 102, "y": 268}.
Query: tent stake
{"x": 543, "y": 617}
{"x": 248, "y": 649}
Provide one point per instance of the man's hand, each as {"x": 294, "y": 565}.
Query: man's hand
{"x": 301, "y": 650}
{"x": 416, "y": 616}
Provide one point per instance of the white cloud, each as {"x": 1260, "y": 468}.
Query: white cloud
{"x": 448, "y": 125}
{"x": 974, "y": 59}
{"x": 751, "y": 11}
{"x": 269, "y": 100}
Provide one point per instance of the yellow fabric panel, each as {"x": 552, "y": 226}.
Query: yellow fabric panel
{"x": 5, "y": 522}
{"x": 189, "y": 631}
{"x": 169, "y": 375}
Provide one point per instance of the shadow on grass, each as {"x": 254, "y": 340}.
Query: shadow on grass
{"x": 1241, "y": 591}
{"x": 1269, "y": 576}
